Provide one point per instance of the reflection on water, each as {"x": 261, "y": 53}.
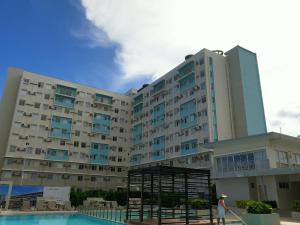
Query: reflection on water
{"x": 52, "y": 220}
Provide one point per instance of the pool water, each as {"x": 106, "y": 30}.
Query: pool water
{"x": 64, "y": 219}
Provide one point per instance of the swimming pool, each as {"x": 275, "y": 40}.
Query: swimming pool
{"x": 64, "y": 219}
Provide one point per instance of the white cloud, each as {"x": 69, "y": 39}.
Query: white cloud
{"x": 155, "y": 35}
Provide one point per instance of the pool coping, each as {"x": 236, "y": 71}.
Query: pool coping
{"x": 16, "y": 213}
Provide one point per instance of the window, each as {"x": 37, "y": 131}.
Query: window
{"x": 201, "y": 61}
{"x": 80, "y": 178}
{"x": 119, "y": 169}
{"x": 83, "y": 144}
{"x": 77, "y": 133}
{"x": 76, "y": 143}
{"x": 26, "y": 81}
{"x": 38, "y": 151}
{"x": 116, "y": 110}
{"x": 62, "y": 142}
{"x": 283, "y": 157}
{"x": 12, "y": 148}
{"x": 297, "y": 159}
{"x": 120, "y": 149}
{"x": 93, "y": 179}
{"x": 37, "y": 105}
{"x": 21, "y": 102}
{"x": 43, "y": 117}
{"x": 40, "y": 84}
{"x": 114, "y": 138}
{"x": 81, "y": 166}
{"x": 121, "y": 130}
{"x": 103, "y": 137}
{"x": 283, "y": 185}
{"x": 79, "y": 113}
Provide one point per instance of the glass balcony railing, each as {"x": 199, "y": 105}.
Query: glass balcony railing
{"x": 189, "y": 147}
{"x": 57, "y": 155}
{"x": 63, "y": 101}
{"x": 105, "y": 99}
{"x": 67, "y": 91}
{"x": 158, "y": 154}
{"x": 60, "y": 134}
{"x": 242, "y": 169}
{"x": 100, "y": 128}
{"x": 138, "y": 99}
{"x": 136, "y": 160}
{"x": 185, "y": 70}
{"x": 158, "y": 87}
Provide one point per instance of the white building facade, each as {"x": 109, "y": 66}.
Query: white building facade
{"x": 55, "y": 132}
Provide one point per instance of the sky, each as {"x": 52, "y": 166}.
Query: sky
{"x": 117, "y": 44}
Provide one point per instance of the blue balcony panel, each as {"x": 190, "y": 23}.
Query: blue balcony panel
{"x": 137, "y": 134}
{"x": 64, "y": 90}
{"x": 99, "y": 154}
{"x": 158, "y": 148}
{"x": 189, "y": 147}
{"x": 158, "y": 116}
{"x": 57, "y": 155}
{"x": 188, "y": 116}
{"x": 135, "y": 159}
{"x": 104, "y": 99}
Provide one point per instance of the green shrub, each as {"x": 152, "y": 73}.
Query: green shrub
{"x": 200, "y": 204}
{"x": 243, "y": 204}
{"x": 296, "y": 205}
{"x": 257, "y": 207}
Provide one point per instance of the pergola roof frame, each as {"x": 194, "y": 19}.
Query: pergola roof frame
{"x": 185, "y": 183}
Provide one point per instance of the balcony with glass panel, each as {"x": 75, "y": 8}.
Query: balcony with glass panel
{"x": 188, "y": 117}
{"x": 65, "y": 91}
{"x": 185, "y": 70}
{"x": 158, "y": 115}
{"x": 135, "y": 160}
{"x": 99, "y": 154}
{"x": 101, "y": 123}
{"x": 158, "y": 148}
{"x": 57, "y": 155}
{"x": 138, "y": 109}
{"x": 65, "y": 96}
{"x": 103, "y": 99}
{"x": 60, "y": 127}
{"x": 187, "y": 82}
{"x": 137, "y": 134}
{"x": 138, "y": 99}
{"x": 158, "y": 88}
{"x": 63, "y": 101}
{"x": 189, "y": 147}
{"x": 241, "y": 164}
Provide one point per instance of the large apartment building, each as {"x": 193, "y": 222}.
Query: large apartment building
{"x": 60, "y": 133}
{"x": 55, "y": 132}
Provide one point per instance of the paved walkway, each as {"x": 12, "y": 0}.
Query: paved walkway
{"x": 289, "y": 221}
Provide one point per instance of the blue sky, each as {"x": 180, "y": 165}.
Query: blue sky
{"x": 48, "y": 37}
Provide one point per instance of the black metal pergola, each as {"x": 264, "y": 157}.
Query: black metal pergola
{"x": 164, "y": 195}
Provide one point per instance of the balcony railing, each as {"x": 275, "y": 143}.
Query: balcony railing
{"x": 242, "y": 169}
